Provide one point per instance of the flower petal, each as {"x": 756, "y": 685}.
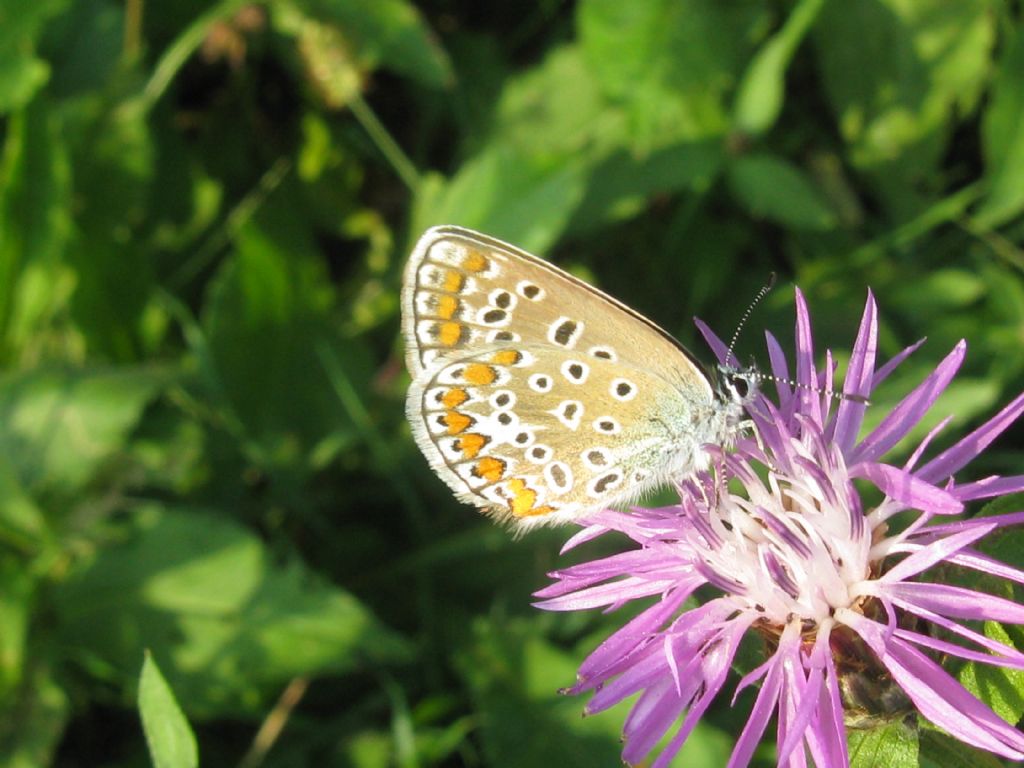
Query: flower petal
{"x": 989, "y": 487}
{"x": 883, "y": 373}
{"x": 957, "y": 456}
{"x": 909, "y": 490}
{"x": 1014, "y": 660}
{"x": 910, "y": 410}
{"x": 717, "y": 662}
{"x": 806, "y": 376}
{"x": 629, "y": 588}
{"x": 859, "y": 373}
{"x": 582, "y": 536}
{"x": 718, "y": 347}
{"x": 957, "y": 602}
{"x": 933, "y": 553}
{"x": 827, "y": 737}
{"x": 780, "y": 370}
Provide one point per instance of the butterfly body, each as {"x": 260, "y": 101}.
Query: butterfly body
{"x": 536, "y": 397}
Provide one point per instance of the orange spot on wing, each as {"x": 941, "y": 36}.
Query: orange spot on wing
{"x": 507, "y": 357}
{"x": 470, "y": 444}
{"x": 523, "y": 499}
{"x": 536, "y": 511}
{"x": 480, "y": 374}
{"x": 450, "y": 333}
{"x": 474, "y": 262}
{"x": 447, "y": 306}
{"x": 453, "y": 398}
{"x": 457, "y": 422}
{"x": 454, "y": 282}
{"x": 490, "y": 469}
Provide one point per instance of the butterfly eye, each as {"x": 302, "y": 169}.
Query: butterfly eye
{"x": 741, "y": 385}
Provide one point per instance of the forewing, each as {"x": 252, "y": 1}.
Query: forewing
{"x": 464, "y": 292}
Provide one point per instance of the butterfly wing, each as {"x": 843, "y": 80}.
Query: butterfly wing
{"x": 465, "y": 291}
{"x": 535, "y": 396}
{"x": 537, "y": 435}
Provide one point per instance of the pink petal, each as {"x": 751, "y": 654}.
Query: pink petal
{"x": 716, "y": 668}
{"x": 828, "y": 742}
{"x": 582, "y": 536}
{"x": 883, "y": 373}
{"x": 806, "y": 376}
{"x": 910, "y": 491}
{"x": 932, "y": 554}
{"x": 957, "y": 456}
{"x": 957, "y": 602}
{"x": 780, "y": 370}
{"x": 910, "y": 410}
{"x": 858, "y": 378}
{"x": 1012, "y": 661}
{"x": 764, "y": 705}
{"x": 986, "y": 489}
{"x": 619, "y": 591}
{"x": 718, "y": 347}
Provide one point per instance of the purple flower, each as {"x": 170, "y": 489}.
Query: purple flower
{"x": 801, "y": 558}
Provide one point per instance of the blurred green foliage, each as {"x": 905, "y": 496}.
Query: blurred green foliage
{"x": 204, "y": 213}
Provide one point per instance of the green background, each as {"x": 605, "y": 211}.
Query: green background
{"x": 204, "y": 213}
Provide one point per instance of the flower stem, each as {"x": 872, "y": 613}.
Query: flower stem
{"x": 388, "y": 146}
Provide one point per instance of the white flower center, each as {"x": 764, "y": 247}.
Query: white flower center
{"x": 791, "y": 548}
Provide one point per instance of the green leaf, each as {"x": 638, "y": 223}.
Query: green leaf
{"x": 369, "y": 749}
{"x": 113, "y": 159}
{"x": 774, "y": 189}
{"x": 941, "y": 751}
{"x": 21, "y": 21}
{"x": 621, "y": 185}
{"x": 1001, "y": 688}
{"x": 84, "y": 46}
{"x": 35, "y": 227}
{"x": 1003, "y": 140}
{"x": 267, "y": 314}
{"x": 22, "y": 74}
{"x": 60, "y": 426}
{"x": 557, "y": 111}
{"x": 892, "y": 745}
{"x": 525, "y": 200}
{"x": 514, "y": 675}
{"x": 33, "y": 720}
{"x": 20, "y": 77}
{"x": 23, "y": 525}
{"x": 168, "y": 735}
{"x": 939, "y": 293}
{"x": 1005, "y": 544}
{"x": 670, "y": 63}
{"x": 206, "y": 596}
{"x": 894, "y": 70}
{"x": 762, "y": 89}
{"x": 17, "y": 599}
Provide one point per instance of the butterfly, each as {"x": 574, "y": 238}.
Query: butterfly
{"x": 540, "y": 399}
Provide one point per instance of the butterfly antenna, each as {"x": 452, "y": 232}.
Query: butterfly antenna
{"x": 830, "y": 393}
{"x": 778, "y": 379}
{"x": 746, "y": 315}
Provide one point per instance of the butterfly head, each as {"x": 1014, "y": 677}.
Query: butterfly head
{"x": 738, "y": 385}
{"x": 737, "y": 389}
